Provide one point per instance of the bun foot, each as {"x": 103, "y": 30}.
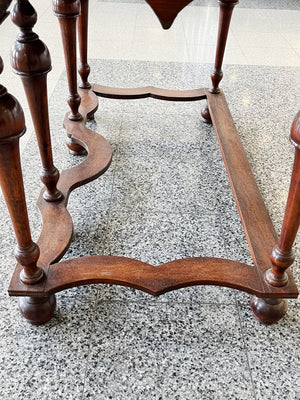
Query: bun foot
{"x": 75, "y": 148}
{"x": 268, "y": 311}
{"x": 37, "y": 310}
{"x": 206, "y": 115}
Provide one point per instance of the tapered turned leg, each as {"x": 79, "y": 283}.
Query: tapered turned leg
{"x": 12, "y": 127}
{"x": 31, "y": 60}
{"x": 282, "y": 256}
{"x": 84, "y": 68}
{"x": 226, "y": 8}
{"x": 67, "y": 12}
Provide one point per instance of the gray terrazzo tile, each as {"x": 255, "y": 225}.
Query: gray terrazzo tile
{"x": 167, "y": 351}
{"x": 273, "y": 355}
{"x": 45, "y": 362}
{"x": 166, "y": 127}
{"x": 235, "y": 239}
{"x": 171, "y": 186}
{"x": 159, "y": 238}
{"x": 178, "y": 76}
{"x": 197, "y": 294}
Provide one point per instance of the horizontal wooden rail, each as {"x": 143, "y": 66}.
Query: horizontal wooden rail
{"x": 153, "y": 280}
{"x": 257, "y": 224}
{"x": 149, "y": 91}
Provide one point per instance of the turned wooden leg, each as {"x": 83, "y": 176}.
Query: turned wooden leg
{"x": 12, "y": 127}
{"x": 67, "y": 12}
{"x": 31, "y": 60}
{"x": 84, "y": 68}
{"x": 282, "y": 256}
{"x": 226, "y": 8}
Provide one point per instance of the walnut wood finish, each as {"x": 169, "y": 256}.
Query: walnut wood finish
{"x": 149, "y": 91}
{"x": 57, "y": 223}
{"x": 176, "y": 274}
{"x": 37, "y": 310}
{"x": 206, "y": 115}
{"x": 67, "y": 12}
{"x": 156, "y": 281}
{"x": 268, "y": 311}
{"x": 12, "y": 127}
{"x": 268, "y": 299}
{"x": 282, "y": 255}
{"x": 84, "y": 68}
{"x": 3, "y": 10}
{"x": 31, "y": 60}
{"x": 166, "y": 13}
{"x": 226, "y": 8}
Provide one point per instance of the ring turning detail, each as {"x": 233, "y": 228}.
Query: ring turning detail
{"x": 39, "y": 273}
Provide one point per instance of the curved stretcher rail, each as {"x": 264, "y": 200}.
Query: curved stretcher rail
{"x": 149, "y": 91}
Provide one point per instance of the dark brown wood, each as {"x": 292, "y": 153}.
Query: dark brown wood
{"x": 149, "y": 91}
{"x": 153, "y": 280}
{"x": 67, "y": 12}
{"x": 173, "y": 275}
{"x": 282, "y": 255}
{"x": 4, "y": 4}
{"x": 57, "y": 228}
{"x": 258, "y": 227}
{"x": 166, "y": 13}
{"x": 31, "y": 60}
{"x": 206, "y": 115}
{"x": 37, "y": 303}
{"x": 226, "y": 8}
{"x": 84, "y": 68}
{"x": 268, "y": 311}
{"x": 12, "y": 127}
{"x": 37, "y": 310}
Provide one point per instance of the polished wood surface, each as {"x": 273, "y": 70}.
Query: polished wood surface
{"x": 30, "y": 59}
{"x": 165, "y": 12}
{"x": 149, "y": 91}
{"x": 4, "y": 4}
{"x": 84, "y": 68}
{"x": 39, "y": 273}
{"x": 226, "y": 8}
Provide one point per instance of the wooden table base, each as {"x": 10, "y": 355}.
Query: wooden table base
{"x": 57, "y": 223}
{"x": 39, "y": 274}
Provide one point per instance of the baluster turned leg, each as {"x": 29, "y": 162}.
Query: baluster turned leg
{"x": 84, "y": 68}
{"x": 31, "y": 60}
{"x": 67, "y": 12}
{"x": 270, "y": 311}
{"x": 12, "y": 127}
{"x": 226, "y": 9}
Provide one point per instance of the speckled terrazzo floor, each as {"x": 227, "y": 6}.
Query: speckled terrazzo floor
{"x": 165, "y": 196}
